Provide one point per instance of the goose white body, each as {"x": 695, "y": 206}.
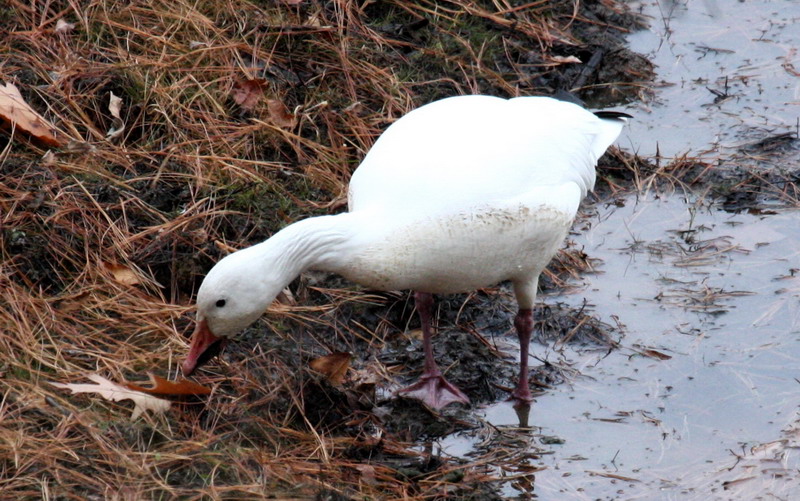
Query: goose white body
{"x": 495, "y": 242}
{"x": 459, "y": 194}
{"x": 469, "y": 191}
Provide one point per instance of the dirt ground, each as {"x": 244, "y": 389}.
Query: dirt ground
{"x": 239, "y": 118}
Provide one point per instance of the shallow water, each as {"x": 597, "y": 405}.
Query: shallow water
{"x": 716, "y": 293}
{"x": 725, "y": 309}
{"x": 747, "y": 51}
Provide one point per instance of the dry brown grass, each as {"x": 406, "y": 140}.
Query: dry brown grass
{"x": 193, "y": 175}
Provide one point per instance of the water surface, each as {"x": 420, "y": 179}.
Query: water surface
{"x": 701, "y": 400}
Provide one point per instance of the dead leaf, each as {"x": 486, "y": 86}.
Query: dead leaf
{"x": 731, "y": 483}
{"x": 116, "y": 392}
{"x": 286, "y": 297}
{"x": 73, "y": 303}
{"x": 291, "y": 2}
{"x": 364, "y": 377}
{"x": 612, "y": 475}
{"x": 49, "y": 158}
{"x": 414, "y": 334}
{"x": 117, "y": 125}
{"x": 114, "y": 104}
{"x": 16, "y": 115}
{"x": 163, "y": 387}
{"x": 649, "y": 352}
{"x": 788, "y": 65}
{"x": 333, "y": 366}
{"x": 122, "y": 274}
{"x": 566, "y": 59}
{"x": 367, "y": 473}
{"x": 280, "y": 115}
{"x": 63, "y": 27}
{"x": 74, "y": 146}
{"x": 224, "y": 247}
{"x": 314, "y": 20}
{"x": 247, "y": 93}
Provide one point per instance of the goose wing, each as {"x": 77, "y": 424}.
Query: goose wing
{"x": 467, "y": 150}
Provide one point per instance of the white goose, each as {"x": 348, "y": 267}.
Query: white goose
{"x": 459, "y": 194}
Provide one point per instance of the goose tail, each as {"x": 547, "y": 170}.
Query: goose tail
{"x": 612, "y": 123}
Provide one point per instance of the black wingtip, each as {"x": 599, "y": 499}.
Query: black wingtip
{"x": 612, "y": 115}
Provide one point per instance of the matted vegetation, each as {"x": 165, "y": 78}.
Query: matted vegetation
{"x": 239, "y": 118}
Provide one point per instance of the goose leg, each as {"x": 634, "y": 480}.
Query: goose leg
{"x": 432, "y": 388}
{"x": 523, "y": 322}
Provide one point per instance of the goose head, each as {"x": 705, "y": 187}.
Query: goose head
{"x": 240, "y": 287}
{"x": 234, "y": 294}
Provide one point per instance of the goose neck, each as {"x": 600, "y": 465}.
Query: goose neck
{"x": 321, "y": 243}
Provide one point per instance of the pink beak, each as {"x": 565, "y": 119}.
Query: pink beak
{"x": 204, "y": 346}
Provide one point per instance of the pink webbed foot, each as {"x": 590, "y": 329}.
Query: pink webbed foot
{"x": 435, "y": 391}
{"x": 432, "y": 388}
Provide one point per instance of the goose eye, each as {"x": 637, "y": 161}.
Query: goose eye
{"x": 220, "y": 303}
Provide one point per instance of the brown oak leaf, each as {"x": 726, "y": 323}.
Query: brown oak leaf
{"x": 247, "y": 93}
{"x": 163, "y": 387}
{"x": 16, "y": 115}
{"x": 116, "y": 392}
{"x": 333, "y": 366}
